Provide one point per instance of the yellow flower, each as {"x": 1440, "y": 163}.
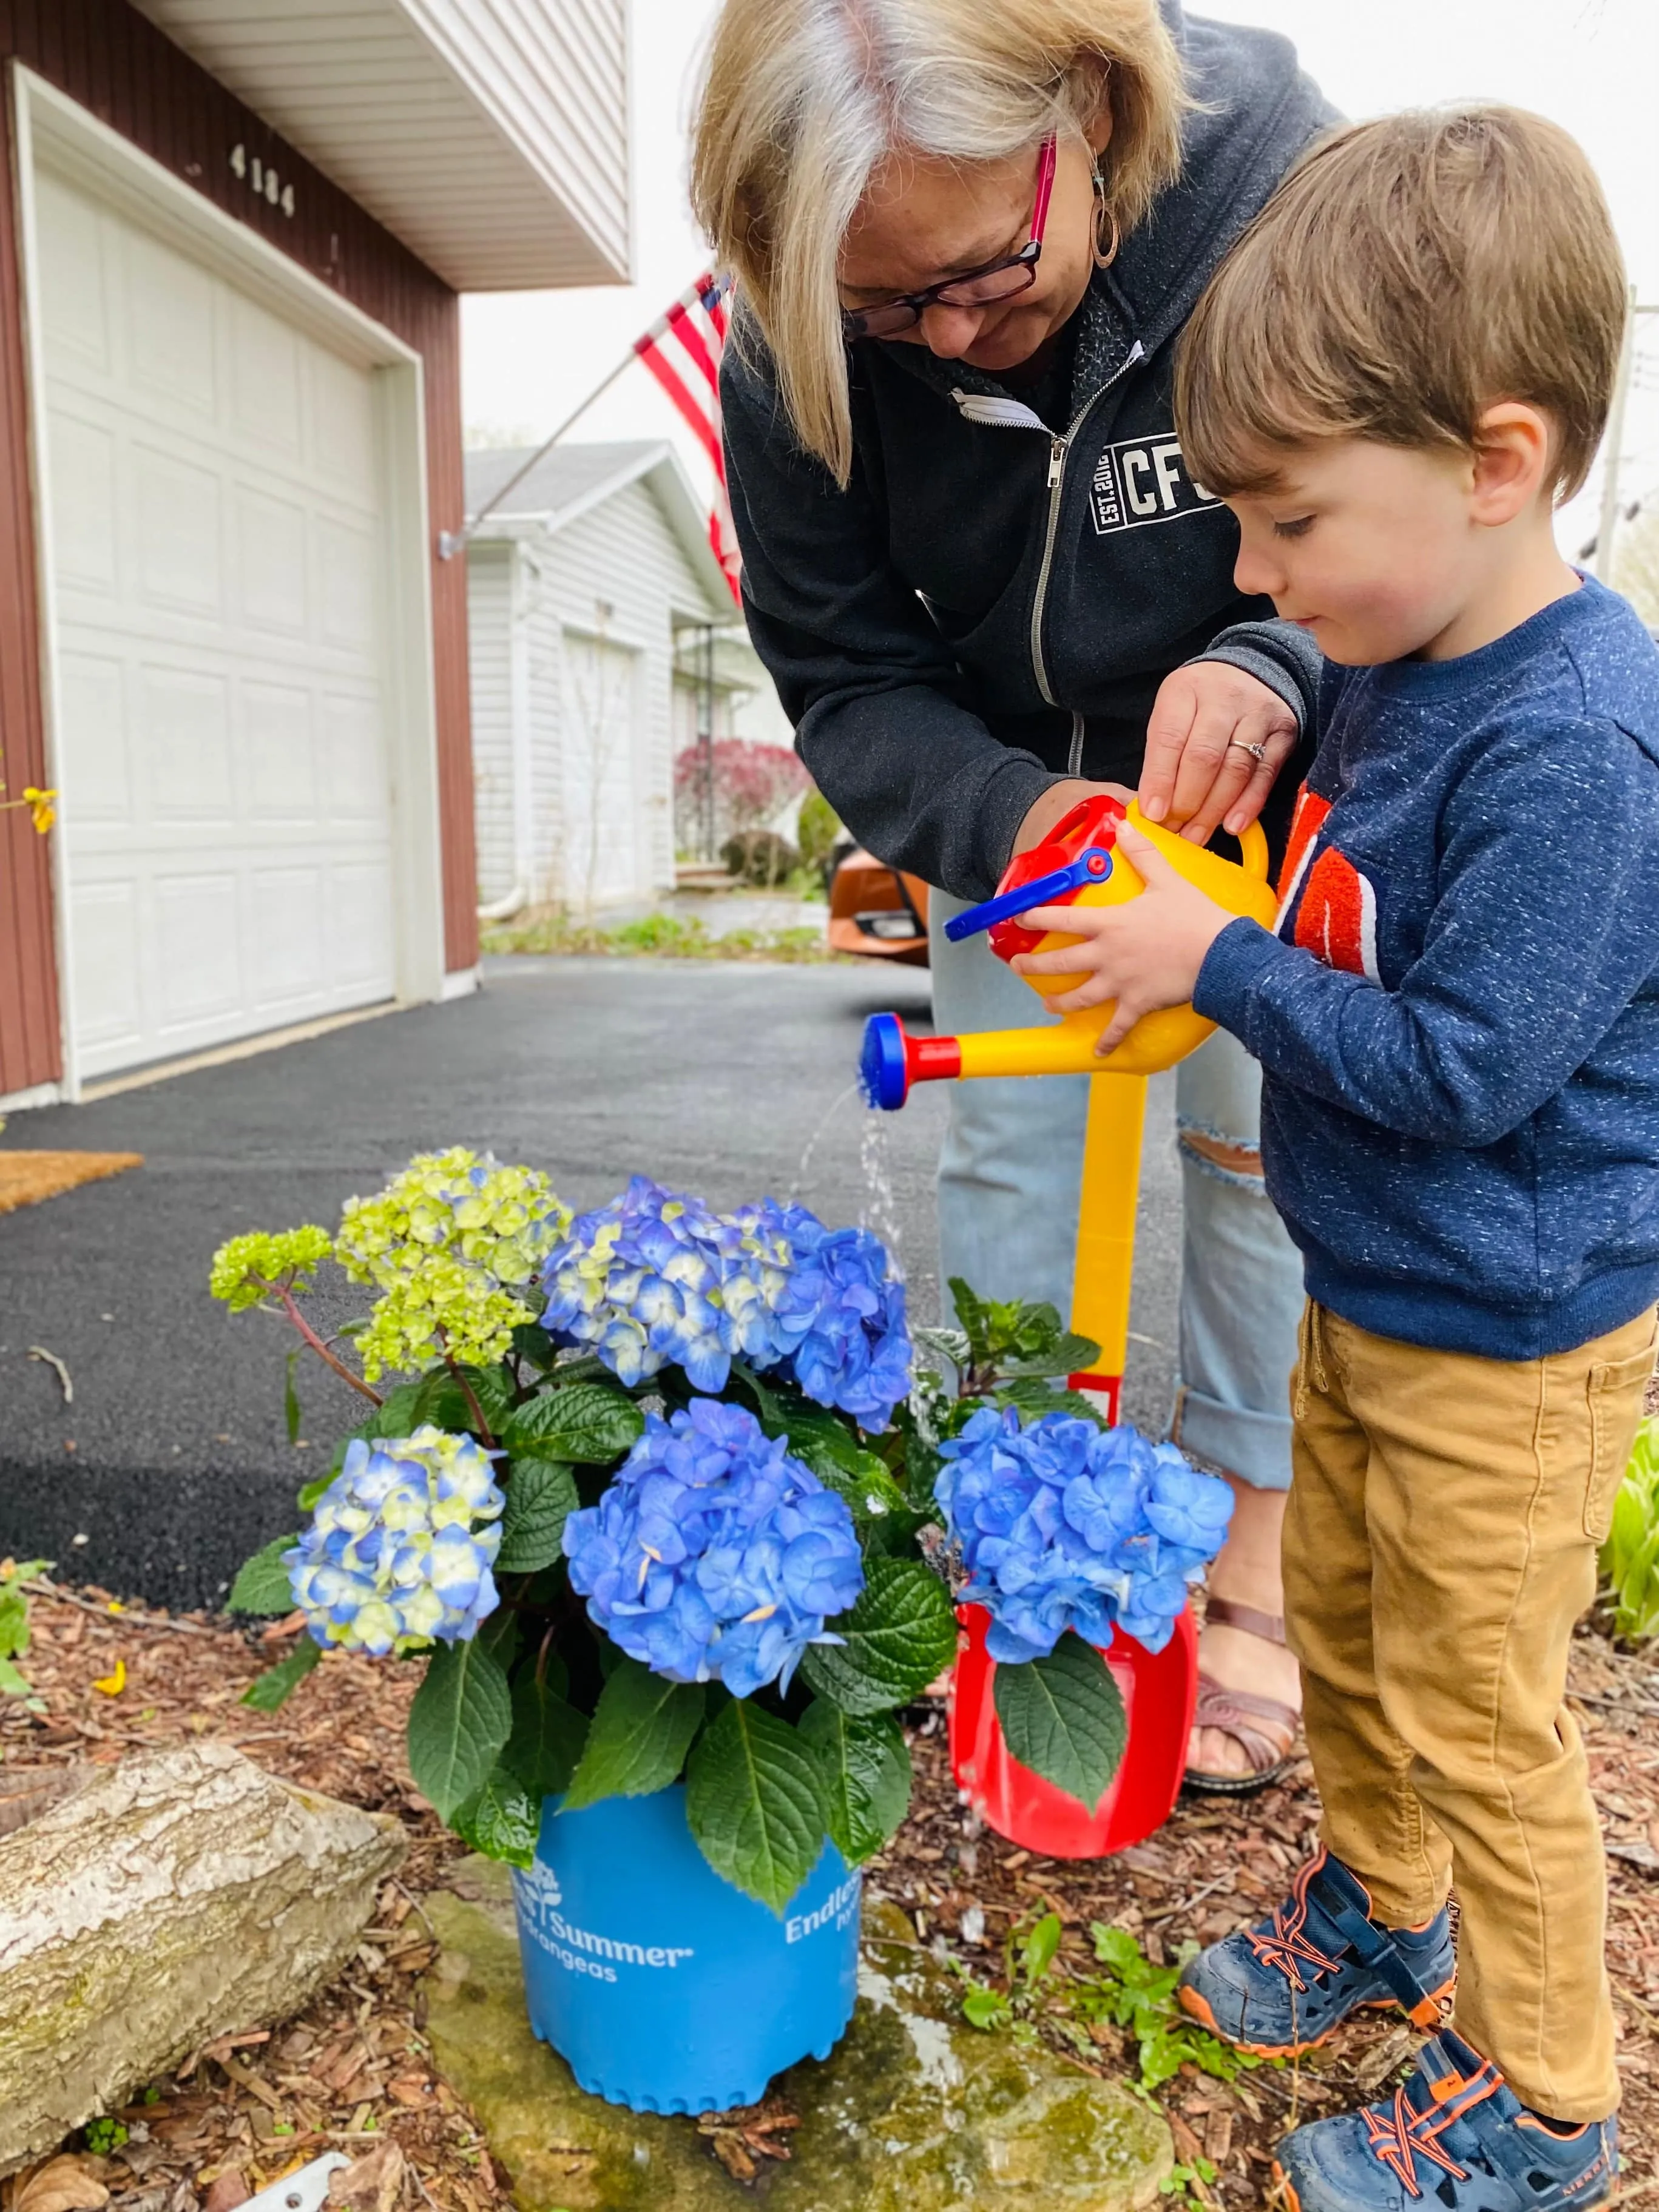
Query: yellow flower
{"x": 113, "y": 1683}
{"x": 42, "y": 811}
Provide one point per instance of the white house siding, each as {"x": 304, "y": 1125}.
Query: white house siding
{"x": 624, "y": 555}
{"x": 488, "y": 617}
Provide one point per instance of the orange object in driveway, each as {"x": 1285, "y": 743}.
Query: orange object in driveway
{"x": 878, "y": 912}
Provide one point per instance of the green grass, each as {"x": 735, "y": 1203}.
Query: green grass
{"x": 657, "y": 936}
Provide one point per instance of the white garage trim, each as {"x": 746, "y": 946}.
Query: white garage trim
{"x": 54, "y": 132}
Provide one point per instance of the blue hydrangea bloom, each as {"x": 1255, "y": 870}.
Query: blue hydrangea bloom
{"x": 839, "y": 1312}
{"x": 1065, "y": 1525}
{"x": 713, "y": 1554}
{"x": 655, "y": 1279}
{"x": 401, "y": 1545}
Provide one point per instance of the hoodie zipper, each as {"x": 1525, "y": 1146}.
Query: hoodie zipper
{"x": 1006, "y": 414}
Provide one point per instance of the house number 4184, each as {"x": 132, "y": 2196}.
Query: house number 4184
{"x": 263, "y": 177}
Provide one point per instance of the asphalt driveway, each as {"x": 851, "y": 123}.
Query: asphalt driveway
{"x": 171, "y": 1462}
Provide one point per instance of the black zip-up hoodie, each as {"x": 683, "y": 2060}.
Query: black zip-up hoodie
{"x": 992, "y": 602}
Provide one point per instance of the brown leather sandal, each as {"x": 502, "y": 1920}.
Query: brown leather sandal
{"x": 1265, "y": 1728}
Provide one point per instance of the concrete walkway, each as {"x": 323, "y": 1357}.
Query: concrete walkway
{"x": 171, "y": 1463}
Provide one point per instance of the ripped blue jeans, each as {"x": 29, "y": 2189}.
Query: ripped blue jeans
{"x": 1008, "y": 1184}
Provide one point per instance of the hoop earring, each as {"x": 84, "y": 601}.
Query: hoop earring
{"x": 1104, "y": 257}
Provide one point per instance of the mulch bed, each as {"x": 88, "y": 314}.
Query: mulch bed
{"x": 354, "y": 2070}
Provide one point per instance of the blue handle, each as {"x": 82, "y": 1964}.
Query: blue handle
{"x": 1092, "y": 866}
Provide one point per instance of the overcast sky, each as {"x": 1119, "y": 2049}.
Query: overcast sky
{"x": 1592, "y": 64}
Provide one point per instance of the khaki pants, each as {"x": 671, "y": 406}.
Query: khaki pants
{"x": 1439, "y": 1544}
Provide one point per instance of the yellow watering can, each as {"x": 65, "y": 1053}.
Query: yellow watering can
{"x": 1080, "y": 864}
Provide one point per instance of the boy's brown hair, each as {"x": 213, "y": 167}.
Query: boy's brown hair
{"x": 1408, "y": 274}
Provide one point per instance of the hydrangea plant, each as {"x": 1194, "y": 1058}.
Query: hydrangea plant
{"x": 660, "y": 1493}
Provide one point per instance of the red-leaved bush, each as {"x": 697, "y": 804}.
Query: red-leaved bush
{"x": 752, "y": 783}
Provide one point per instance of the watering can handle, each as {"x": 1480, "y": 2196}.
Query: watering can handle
{"x": 1253, "y": 851}
{"x": 1092, "y": 866}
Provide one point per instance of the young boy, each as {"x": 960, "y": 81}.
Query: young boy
{"x": 1402, "y": 366}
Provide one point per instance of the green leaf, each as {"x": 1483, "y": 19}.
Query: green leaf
{"x": 975, "y": 1319}
{"x": 539, "y": 1494}
{"x": 14, "y": 1623}
{"x": 641, "y": 1729}
{"x": 586, "y": 1421}
{"x": 1035, "y": 1396}
{"x": 755, "y": 1803}
{"x": 547, "y": 1738}
{"x": 400, "y": 1415}
{"x": 262, "y": 1585}
{"x": 444, "y": 1403}
{"x": 531, "y": 1341}
{"x": 501, "y": 1818}
{"x": 12, "y": 1683}
{"x": 1115, "y": 1948}
{"x": 269, "y": 1692}
{"x": 1062, "y": 1716}
{"x": 900, "y": 1634}
{"x": 865, "y": 1769}
{"x": 310, "y": 1491}
{"x": 461, "y": 1717}
{"x": 1067, "y": 1355}
{"x": 291, "y": 1396}
{"x": 1038, "y": 1949}
{"x": 984, "y": 2009}
{"x": 950, "y": 1345}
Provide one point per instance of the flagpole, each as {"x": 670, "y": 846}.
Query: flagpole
{"x": 451, "y": 541}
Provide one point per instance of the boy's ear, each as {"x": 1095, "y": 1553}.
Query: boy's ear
{"x": 1514, "y": 448}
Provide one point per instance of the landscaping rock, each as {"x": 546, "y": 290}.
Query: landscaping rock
{"x": 914, "y": 2112}
{"x": 163, "y": 1902}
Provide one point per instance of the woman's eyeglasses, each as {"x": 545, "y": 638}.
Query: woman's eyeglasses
{"x": 975, "y": 288}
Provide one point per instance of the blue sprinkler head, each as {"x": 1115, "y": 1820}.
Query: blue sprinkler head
{"x": 884, "y": 1076}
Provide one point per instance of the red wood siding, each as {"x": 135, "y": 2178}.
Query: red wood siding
{"x": 108, "y": 57}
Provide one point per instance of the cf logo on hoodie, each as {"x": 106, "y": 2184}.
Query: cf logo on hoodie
{"x": 1144, "y": 480}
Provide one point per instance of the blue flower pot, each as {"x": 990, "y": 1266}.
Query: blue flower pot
{"x": 664, "y": 1989}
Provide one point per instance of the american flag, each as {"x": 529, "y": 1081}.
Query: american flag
{"x": 682, "y": 350}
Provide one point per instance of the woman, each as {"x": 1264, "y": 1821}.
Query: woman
{"x": 966, "y": 234}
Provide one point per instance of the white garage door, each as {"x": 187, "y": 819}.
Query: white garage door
{"x": 216, "y": 552}
{"x": 601, "y": 777}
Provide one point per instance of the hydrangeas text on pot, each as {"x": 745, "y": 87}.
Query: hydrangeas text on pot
{"x": 660, "y": 1493}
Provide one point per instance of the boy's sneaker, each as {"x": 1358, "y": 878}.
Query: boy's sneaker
{"x": 1456, "y": 2132}
{"x": 1283, "y": 1985}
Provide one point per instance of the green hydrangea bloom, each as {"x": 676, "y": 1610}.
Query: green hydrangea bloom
{"x": 244, "y": 1269}
{"x": 447, "y": 1243}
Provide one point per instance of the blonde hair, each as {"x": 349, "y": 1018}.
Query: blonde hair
{"x": 1407, "y": 274}
{"x": 804, "y": 100}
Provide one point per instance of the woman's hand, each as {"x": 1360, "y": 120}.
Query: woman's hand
{"x": 1200, "y": 771}
{"x": 1145, "y": 954}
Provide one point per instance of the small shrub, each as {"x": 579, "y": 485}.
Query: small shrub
{"x": 15, "y": 1628}
{"x": 760, "y": 857}
{"x": 753, "y": 784}
{"x": 1629, "y": 1558}
{"x": 816, "y": 828}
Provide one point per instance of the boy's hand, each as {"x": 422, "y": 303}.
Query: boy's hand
{"x": 1145, "y": 955}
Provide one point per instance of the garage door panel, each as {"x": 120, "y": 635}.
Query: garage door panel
{"x": 288, "y": 936}
{"x": 170, "y": 321}
{"x": 347, "y": 579}
{"x": 74, "y": 310}
{"x": 343, "y": 427}
{"x": 271, "y": 537}
{"x": 197, "y": 966}
{"x": 266, "y": 380}
{"x": 353, "y": 748}
{"x": 105, "y": 933}
{"x": 180, "y": 544}
{"x": 85, "y": 512}
{"x": 92, "y": 716}
{"x": 360, "y": 903}
{"x": 184, "y": 725}
{"x": 279, "y": 748}
{"x": 217, "y": 546}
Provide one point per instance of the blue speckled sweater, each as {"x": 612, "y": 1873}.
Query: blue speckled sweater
{"x": 1458, "y": 1018}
